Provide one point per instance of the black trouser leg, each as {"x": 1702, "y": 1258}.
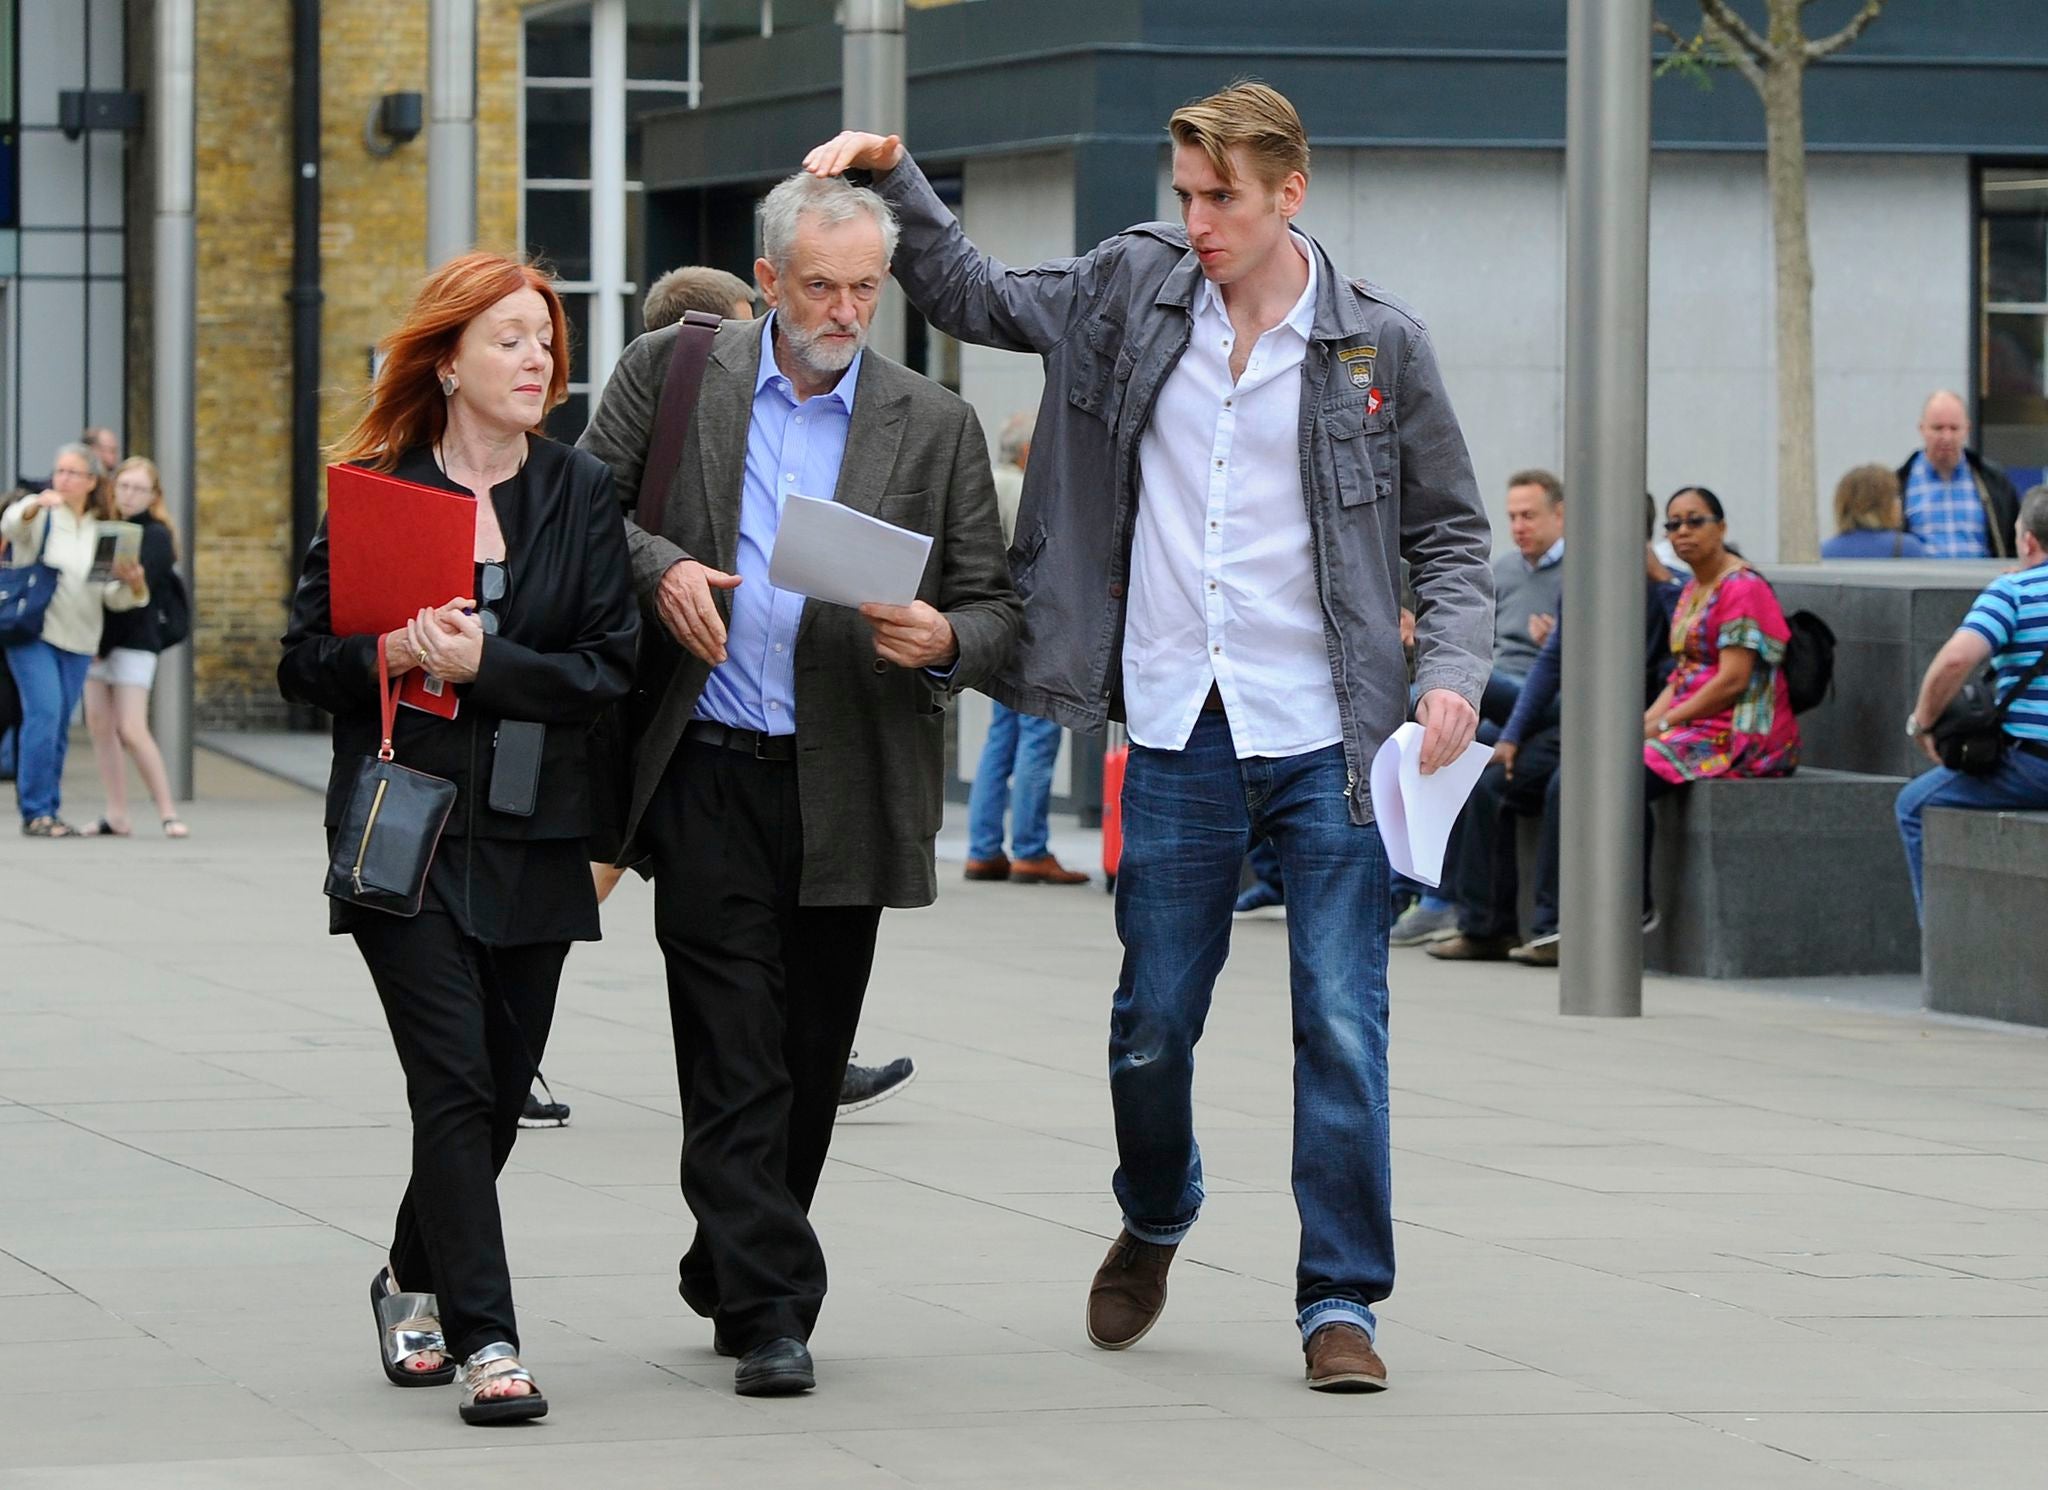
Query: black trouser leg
{"x": 763, "y": 999}
{"x": 1489, "y": 874}
{"x": 469, "y": 1023}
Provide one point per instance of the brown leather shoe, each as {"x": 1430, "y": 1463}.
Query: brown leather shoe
{"x": 1129, "y": 1292}
{"x": 997, "y": 868}
{"x": 1462, "y": 948}
{"x": 1046, "y": 870}
{"x": 1341, "y": 1359}
{"x": 1535, "y": 954}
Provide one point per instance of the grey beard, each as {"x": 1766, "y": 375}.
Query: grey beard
{"x": 811, "y": 349}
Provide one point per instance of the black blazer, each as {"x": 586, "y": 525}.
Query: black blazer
{"x": 564, "y": 649}
{"x": 137, "y": 629}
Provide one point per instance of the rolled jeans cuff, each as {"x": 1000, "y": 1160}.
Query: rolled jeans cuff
{"x": 1336, "y": 1311}
{"x": 1168, "y": 1236}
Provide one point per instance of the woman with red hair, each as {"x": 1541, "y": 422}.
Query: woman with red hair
{"x": 545, "y": 639}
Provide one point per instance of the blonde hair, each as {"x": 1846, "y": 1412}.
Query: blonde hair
{"x": 1249, "y": 115}
{"x": 693, "y": 287}
{"x": 1868, "y": 498}
{"x": 158, "y": 508}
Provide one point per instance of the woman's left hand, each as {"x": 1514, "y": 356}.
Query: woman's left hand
{"x": 452, "y": 641}
{"x": 129, "y": 573}
{"x": 1653, "y": 726}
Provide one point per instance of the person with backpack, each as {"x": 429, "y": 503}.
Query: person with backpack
{"x": 2003, "y": 629}
{"x": 118, "y": 681}
{"x": 54, "y": 610}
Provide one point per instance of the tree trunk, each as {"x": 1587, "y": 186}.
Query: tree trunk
{"x": 1785, "y": 167}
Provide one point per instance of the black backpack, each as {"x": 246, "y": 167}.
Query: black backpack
{"x": 173, "y": 610}
{"x": 1809, "y": 660}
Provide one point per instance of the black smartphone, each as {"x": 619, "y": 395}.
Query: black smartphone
{"x": 515, "y": 766}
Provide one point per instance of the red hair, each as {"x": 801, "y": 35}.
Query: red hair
{"x": 406, "y": 406}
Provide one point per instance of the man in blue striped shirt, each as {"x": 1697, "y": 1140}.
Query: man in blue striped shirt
{"x": 2007, "y": 626}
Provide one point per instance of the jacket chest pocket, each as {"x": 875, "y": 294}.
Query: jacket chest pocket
{"x": 1362, "y": 451}
{"x": 1102, "y": 370}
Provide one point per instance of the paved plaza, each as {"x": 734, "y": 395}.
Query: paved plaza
{"x": 1761, "y": 1238}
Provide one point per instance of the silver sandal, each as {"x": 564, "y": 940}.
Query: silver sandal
{"x": 406, "y": 1330}
{"x": 498, "y": 1362}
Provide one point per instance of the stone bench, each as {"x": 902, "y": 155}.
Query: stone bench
{"x": 1795, "y": 876}
{"x": 1985, "y": 879}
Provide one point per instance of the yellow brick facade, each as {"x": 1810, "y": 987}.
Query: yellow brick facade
{"x": 373, "y": 253}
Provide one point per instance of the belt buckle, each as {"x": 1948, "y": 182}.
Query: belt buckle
{"x": 761, "y": 739}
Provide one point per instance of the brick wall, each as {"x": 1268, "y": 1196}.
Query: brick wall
{"x": 372, "y": 251}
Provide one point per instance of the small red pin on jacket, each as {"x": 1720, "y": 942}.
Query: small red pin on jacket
{"x": 1373, "y": 399}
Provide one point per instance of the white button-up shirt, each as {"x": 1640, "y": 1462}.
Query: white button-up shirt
{"x": 1223, "y": 583}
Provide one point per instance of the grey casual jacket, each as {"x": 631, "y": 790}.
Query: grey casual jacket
{"x": 870, "y": 737}
{"x": 1386, "y": 475}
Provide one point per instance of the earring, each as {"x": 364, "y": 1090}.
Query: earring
{"x": 448, "y": 384}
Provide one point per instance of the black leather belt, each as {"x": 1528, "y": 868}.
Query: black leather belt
{"x": 2032, "y": 747}
{"x": 762, "y": 747}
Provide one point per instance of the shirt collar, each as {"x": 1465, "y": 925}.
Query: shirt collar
{"x": 1552, "y": 555}
{"x": 1301, "y": 319}
{"x": 772, "y": 375}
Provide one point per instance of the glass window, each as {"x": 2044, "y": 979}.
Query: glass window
{"x": 577, "y": 308}
{"x": 558, "y": 229}
{"x": 2012, "y": 326}
{"x": 566, "y": 423}
{"x": 660, "y": 53}
{"x": 558, "y": 46}
{"x": 558, "y": 133}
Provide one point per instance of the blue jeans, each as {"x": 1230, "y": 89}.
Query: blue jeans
{"x": 1026, "y": 746}
{"x": 2019, "y": 784}
{"x": 50, "y": 681}
{"x": 1189, "y": 817}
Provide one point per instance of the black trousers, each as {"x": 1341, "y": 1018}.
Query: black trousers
{"x": 764, "y": 996}
{"x": 470, "y": 1022}
{"x": 1487, "y": 880}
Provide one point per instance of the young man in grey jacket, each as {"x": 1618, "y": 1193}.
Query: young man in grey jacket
{"x": 1276, "y": 440}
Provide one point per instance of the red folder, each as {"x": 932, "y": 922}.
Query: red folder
{"x": 395, "y": 548}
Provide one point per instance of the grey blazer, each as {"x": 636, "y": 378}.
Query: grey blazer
{"x": 870, "y": 737}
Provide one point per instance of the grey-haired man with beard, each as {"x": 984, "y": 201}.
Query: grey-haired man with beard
{"x": 787, "y": 787}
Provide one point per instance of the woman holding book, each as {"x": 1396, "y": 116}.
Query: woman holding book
{"x": 60, "y": 527}
{"x": 118, "y": 682}
{"x": 543, "y": 641}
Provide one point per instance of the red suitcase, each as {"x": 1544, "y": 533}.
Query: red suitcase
{"x": 1113, "y": 759}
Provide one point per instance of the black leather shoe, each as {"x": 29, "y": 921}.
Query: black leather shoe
{"x": 781, "y": 1368}
{"x": 719, "y": 1345}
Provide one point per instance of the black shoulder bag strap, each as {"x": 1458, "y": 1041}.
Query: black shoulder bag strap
{"x": 2026, "y": 681}
{"x": 679, "y": 392}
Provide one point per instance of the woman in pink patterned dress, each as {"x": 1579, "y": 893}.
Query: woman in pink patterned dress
{"x": 1726, "y": 710}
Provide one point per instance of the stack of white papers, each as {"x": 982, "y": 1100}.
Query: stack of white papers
{"x": 1415, "y": 812}
{"x": 826, "y": 551}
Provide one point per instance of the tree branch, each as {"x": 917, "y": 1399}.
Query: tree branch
{"x": 1721, "y": 16}
{"x": 1827, "y": 46}
{"x": 1733, "y": 50}
{"x": 1661, "y": 27}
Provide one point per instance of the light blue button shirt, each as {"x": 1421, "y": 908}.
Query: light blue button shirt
{"x": 791, "y": 447}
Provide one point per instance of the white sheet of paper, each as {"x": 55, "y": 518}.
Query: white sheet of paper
{"x": 1415, "y": 812}
{"x": 830, "y": 552}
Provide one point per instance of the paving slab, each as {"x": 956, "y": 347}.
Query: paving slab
{"x": 1775, "y": 1235}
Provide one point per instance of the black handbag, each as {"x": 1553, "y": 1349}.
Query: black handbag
{"x": 392, "y": 825}
{"x": 1970, "y": 735}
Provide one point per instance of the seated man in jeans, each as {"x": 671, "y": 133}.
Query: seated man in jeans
{"x": 2007, "y": 625}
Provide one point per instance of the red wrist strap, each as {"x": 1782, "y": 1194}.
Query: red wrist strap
{"x": 387, "y": 695}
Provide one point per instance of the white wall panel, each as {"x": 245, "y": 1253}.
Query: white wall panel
{"x": 109, "y": 176}
{"x": 52, "y": 182}
{"x": 51, "y": 49}
{"x": 52, "y": 384}
{"x": 106, "y": 397}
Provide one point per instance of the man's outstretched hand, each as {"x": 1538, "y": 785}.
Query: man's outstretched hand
{"x": 853, "y": 150}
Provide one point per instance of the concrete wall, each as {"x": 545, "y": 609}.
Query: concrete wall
{"x": 1474, "y": 241}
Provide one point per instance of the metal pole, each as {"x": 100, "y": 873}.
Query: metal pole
{"x": 451, "y": 129}
{"x": 173, "y": 359}
{"x": 873, "y": 99}
{"x": 607, "y": 189}
{"x": 1607, "y": 293}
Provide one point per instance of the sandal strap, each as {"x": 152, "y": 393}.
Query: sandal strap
{"x": 494, "y": 1363}
{"x": 411, "y": 1325}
